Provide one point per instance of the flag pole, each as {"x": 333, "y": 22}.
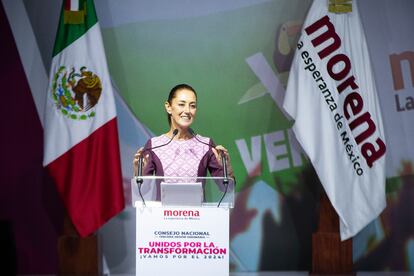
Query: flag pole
{"x": 329, "y": 254}
{"x": 77, "y": 256}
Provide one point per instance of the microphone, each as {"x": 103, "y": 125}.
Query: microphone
{"x": 223, "y": 161}
{"x": 140, "y": 180}
{"x": 175, "y": 132}
{"x": 222, "y": 156}
{"x": 195, "y": 136}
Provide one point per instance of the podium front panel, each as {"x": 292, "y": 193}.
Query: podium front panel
{"x": 182, "y": 241}
{"x": 215, "y": 192}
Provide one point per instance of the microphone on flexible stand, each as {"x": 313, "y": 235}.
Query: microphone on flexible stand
{"x": 223, "y": 161}
{"x": 195, "y": 136}
{"x": 226, "y": 177}
{"x": 225, "y": 174}
{"x": 222, "y": 156}
{"x": 140, "y": 163}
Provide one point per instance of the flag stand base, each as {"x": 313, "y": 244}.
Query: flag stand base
{"x": 329, "y": 254}
{"x": 77, "y": 256}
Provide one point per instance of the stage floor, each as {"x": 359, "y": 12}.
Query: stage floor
{"x": 281, "y": 273}
{"x": 299, "y": 273}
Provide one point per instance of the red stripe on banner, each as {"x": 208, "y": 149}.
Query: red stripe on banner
{"x": 89, "y": 179}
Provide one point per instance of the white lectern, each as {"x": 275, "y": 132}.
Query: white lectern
{"x": 182, "y": 225}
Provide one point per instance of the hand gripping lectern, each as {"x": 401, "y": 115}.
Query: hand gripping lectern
{"x": 182, "y": 225}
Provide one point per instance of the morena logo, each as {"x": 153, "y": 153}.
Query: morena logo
{"x": 181, "y": 213}
{"x": 361, "y": 124}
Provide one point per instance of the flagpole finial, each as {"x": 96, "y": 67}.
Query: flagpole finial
{"x": 75, "y": 17}
{"x": 340, "y": 6}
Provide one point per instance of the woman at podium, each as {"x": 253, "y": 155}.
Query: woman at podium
{"x": 180, "y": 152}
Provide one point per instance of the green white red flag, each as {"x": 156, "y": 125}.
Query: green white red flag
{"x": 81, "y": 136}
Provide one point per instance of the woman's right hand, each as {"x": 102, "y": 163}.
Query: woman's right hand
{"x": 135, "y": 162}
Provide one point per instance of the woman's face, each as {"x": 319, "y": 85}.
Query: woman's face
{"x": 182, "y": 109}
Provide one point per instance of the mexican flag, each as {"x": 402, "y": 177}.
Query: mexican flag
{"x": 81, "y": 136}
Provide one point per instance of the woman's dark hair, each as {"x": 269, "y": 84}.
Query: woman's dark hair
{"x": 173, "y": 93}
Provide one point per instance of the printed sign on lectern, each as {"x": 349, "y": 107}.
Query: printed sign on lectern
{"x": 182, "y": 240}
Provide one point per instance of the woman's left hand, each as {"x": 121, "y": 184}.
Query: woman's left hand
{"x": 220, "y": 150}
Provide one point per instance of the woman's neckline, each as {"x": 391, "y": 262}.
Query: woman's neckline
{"x": 177, "y": 140}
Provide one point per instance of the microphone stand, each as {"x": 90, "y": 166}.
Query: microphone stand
{"x": 226, "y": 186}
{"x": 139, "y": 179}
{"x": 226, "y": 178}
{"x": 223, "y": 162}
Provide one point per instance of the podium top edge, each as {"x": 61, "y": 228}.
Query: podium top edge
{"x": 183, "y": 177}
{"x": 158, "y": 204}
